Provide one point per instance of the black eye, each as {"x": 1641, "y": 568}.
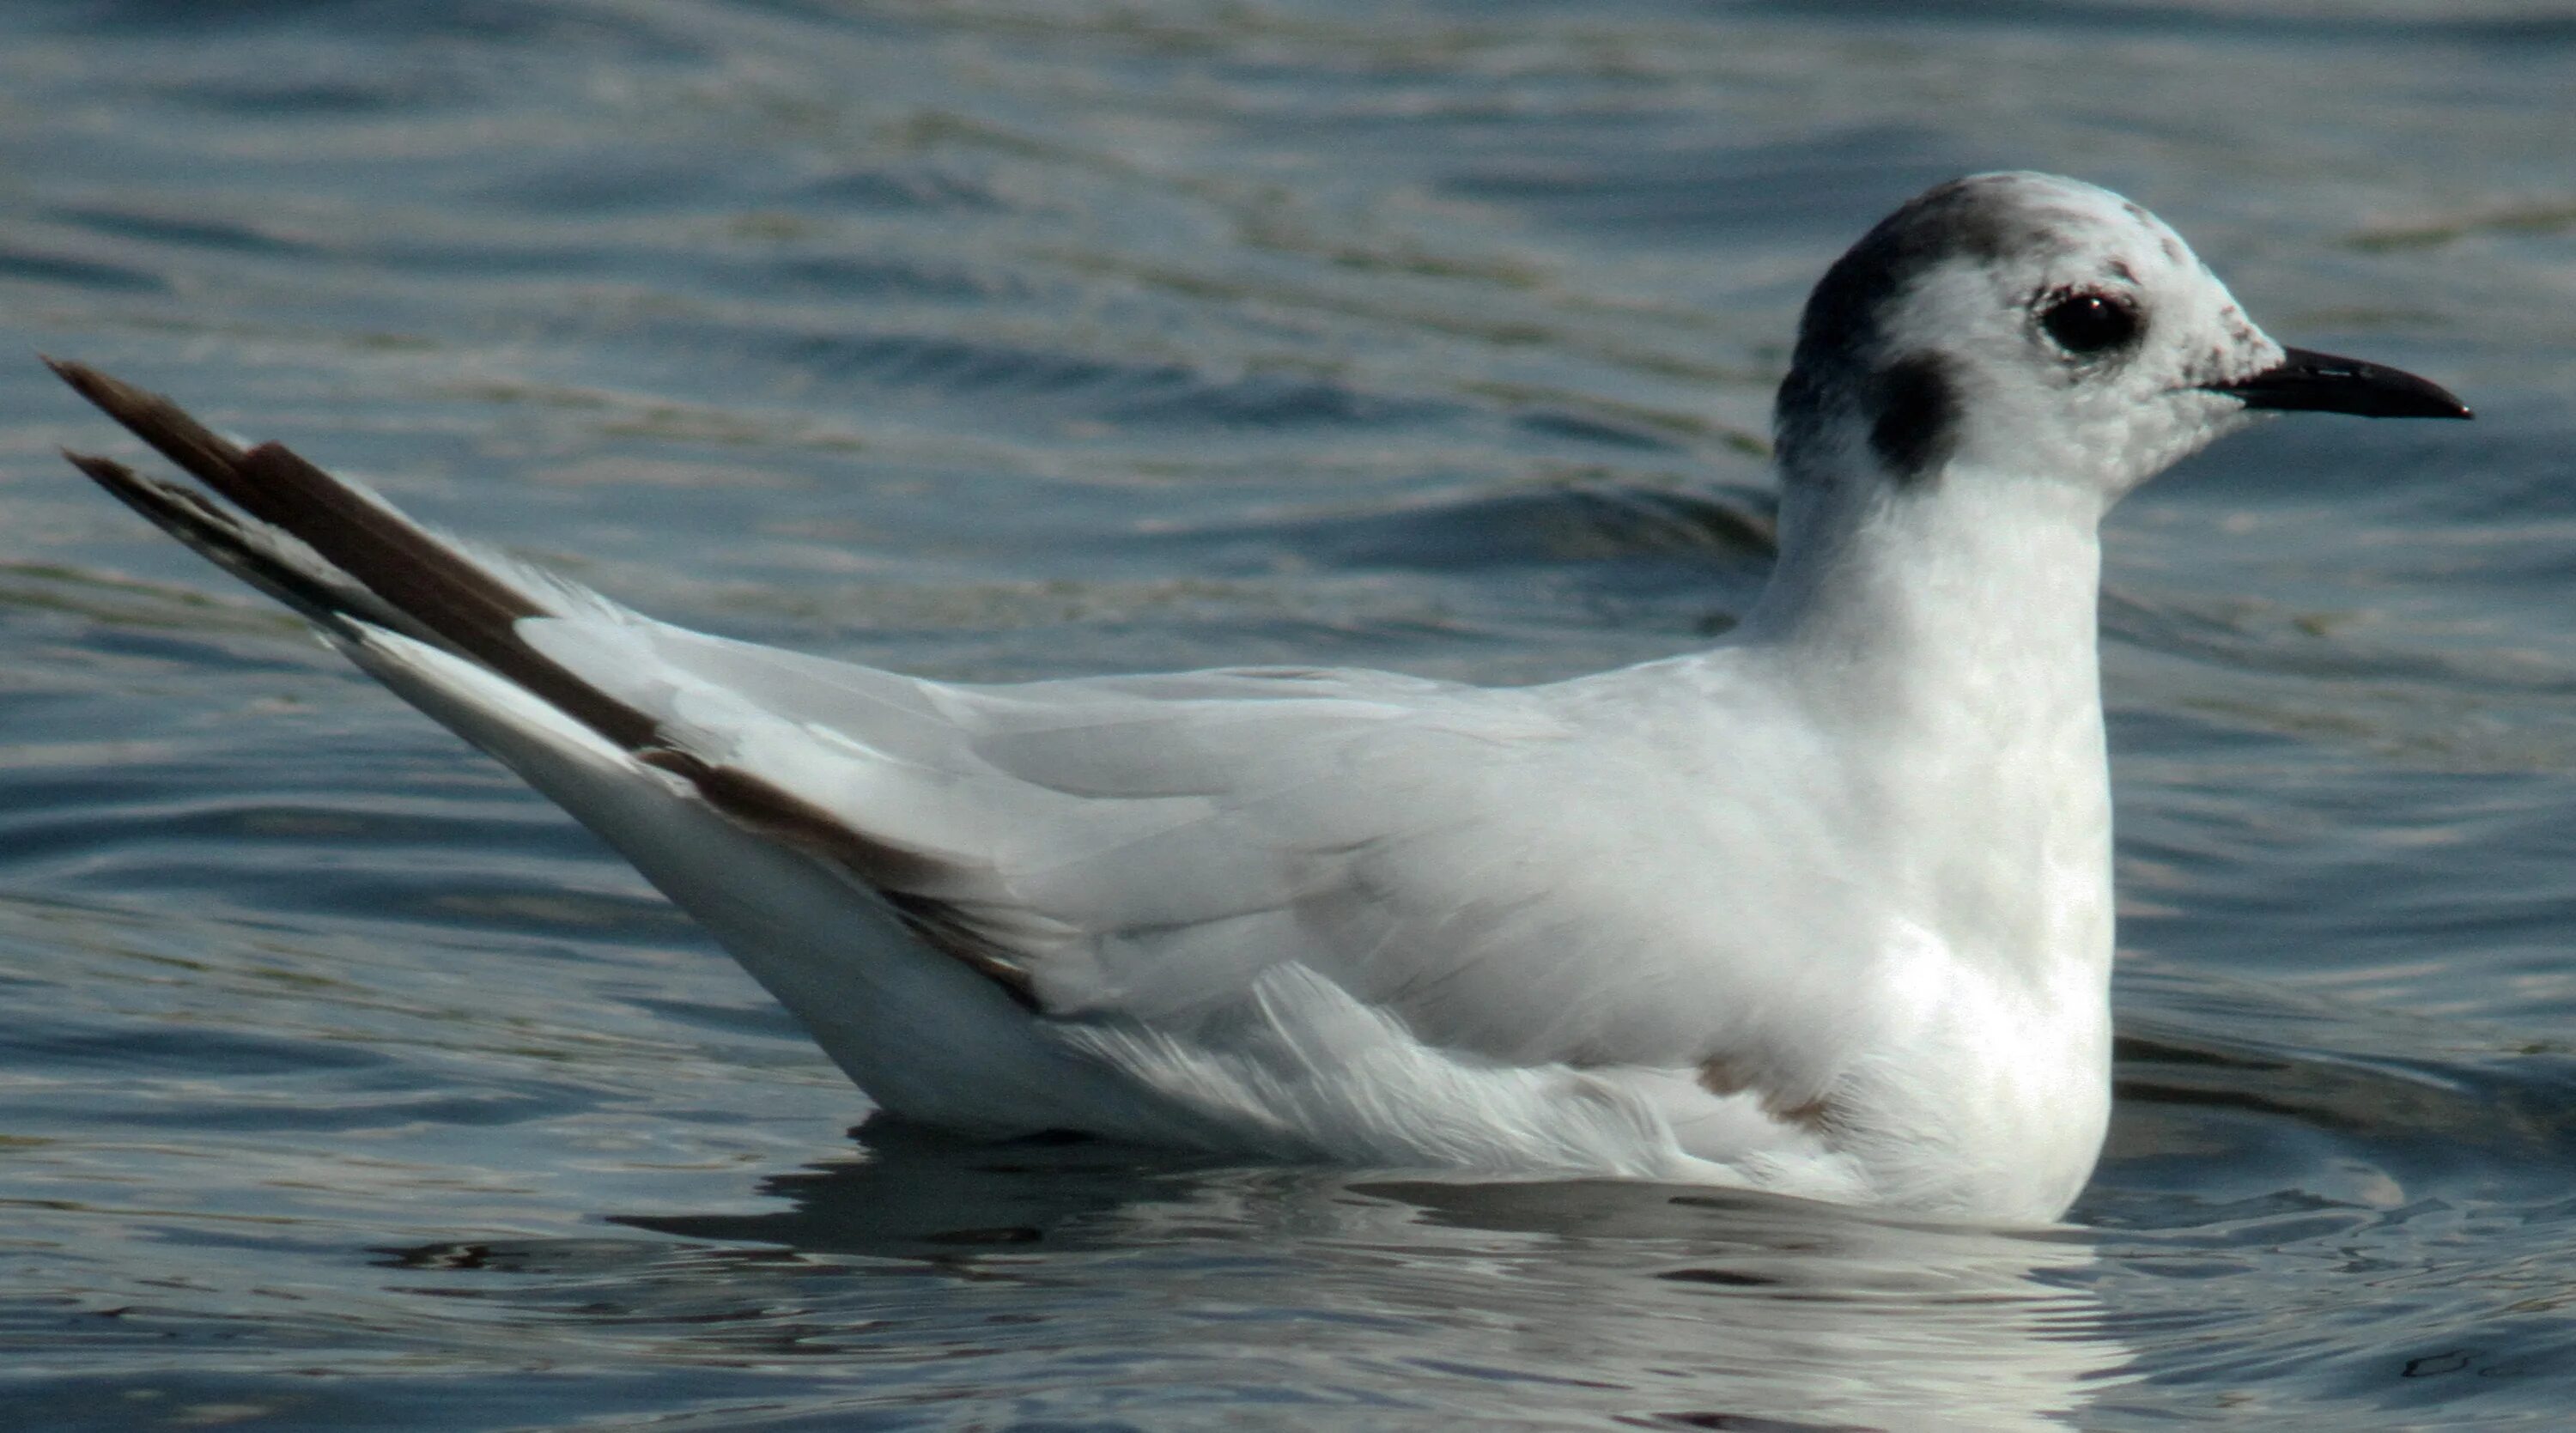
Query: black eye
{"x": 2089, "y": 324}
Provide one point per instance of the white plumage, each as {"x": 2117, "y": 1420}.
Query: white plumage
{"x": 1825, "y": 910}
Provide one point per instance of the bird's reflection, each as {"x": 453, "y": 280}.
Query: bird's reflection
{"x": 919, "y": 1192}
{"x": 1659, "y": 1305}
{"x": 1585, "y": 1300}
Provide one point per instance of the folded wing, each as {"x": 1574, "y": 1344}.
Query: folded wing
{"x": 1138, "y": 850}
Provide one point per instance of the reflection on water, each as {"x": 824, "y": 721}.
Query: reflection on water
{"x": 343, "y": 1085}
{"x": 1628, "y": 1299}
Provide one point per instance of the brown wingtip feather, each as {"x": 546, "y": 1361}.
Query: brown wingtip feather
{"x": 401, "y": 571}
{"x": 424, "y": 585}
{"x": 192, "y": 445}
{"x": 174, "y": 509}
{"x": 380, "y": 567}
{"x": 219, "y": 536}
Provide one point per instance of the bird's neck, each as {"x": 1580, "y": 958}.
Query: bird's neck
{"x": 1973, "y": 580}
{"x": 1944, "y": 637}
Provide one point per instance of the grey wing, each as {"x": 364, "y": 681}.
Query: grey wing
{"x": 1522, "y": 876}
{"x": 1148, "y": 846}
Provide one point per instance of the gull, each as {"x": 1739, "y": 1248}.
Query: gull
{"x": 1824, "y": 910}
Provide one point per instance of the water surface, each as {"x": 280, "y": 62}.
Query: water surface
{"x": 344, "y": 1084}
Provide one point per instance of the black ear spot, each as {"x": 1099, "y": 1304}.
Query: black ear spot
{"x": 1915, "y": 408}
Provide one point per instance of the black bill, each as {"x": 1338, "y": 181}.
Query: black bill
{"x": 2323, "y": 383}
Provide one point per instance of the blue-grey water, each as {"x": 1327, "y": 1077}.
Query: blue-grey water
{"x": 343, "y": 1084}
